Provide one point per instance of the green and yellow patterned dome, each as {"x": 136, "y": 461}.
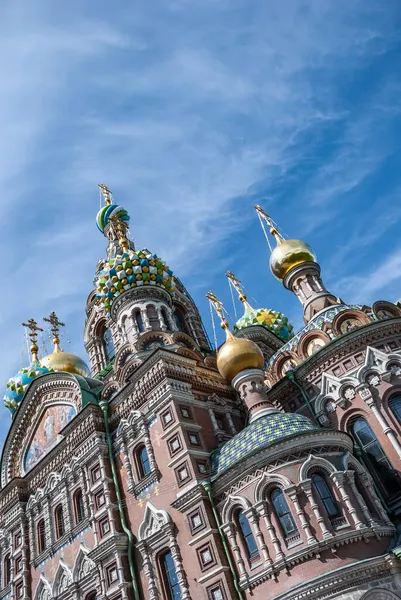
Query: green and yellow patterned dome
{"x": 273, "y": 320}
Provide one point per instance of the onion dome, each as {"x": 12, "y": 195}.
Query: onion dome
{"x": 273, "y": 320}
{"x": 238, "y": 354}
{"x": 16, "y": 386}
{"x": 108, "y": 212}
{"x": 66, "y": 362}
{"x": 130, "y": 270}
{"x": 289, "y": 254}
{"x": 261, "y": 433}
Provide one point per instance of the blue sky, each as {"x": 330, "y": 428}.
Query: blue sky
{"x": 190, "y": 111}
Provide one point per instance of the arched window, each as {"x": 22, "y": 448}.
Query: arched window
{"x": 247, "y": 535}
{"x": 170, "y": 578}
{"x": 396, "y": 407}
{"x": 325, "y": 495}
{"x": 139, "y": 321}
{"x": 179, "y": 320}
{"x": 7, "y": 570}
{"x": 91, "y": 596}
{"x": 165, "y": 317}
{"x": 283, "y": 513}
{"x": 376, "y": 461}
{"x": 79, "y": 506}
{"x": 41, "y": 536}
{"x": 143, "y": 461}
{"x": 59, "y": 520}
{"x": 108, "y": 345}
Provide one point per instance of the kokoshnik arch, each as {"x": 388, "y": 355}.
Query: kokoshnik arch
{"x": 169, "y": 471}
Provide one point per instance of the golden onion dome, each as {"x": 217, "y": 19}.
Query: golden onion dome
{"x": 64, "y": 361}
{"x": 238, "y": 354}
{"x": 289, "y": 254}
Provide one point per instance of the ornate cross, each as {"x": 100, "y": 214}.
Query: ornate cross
{"x": 55, "y": 326}
{"x": 107, "y": 195}
{"x": 32, "y": 325}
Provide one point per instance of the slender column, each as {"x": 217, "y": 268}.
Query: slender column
{"x": 254, "y": 521}
{"x": 338, "y": 479}
{"x": 49, "y": 523}
{"x": 85, "y": 492}
{"x": 91, "y": 507}
{"x": 231, "y": 423}
{"x": 380, "y": 510}
{"x": 67, "y": 508}
{"x": 152, "y": 591}
{"x": 366, "y": 395}
{"x": 127, "y": 464}
{"x": 292, "y": 493}
{"x": 359, "y": 498}
{"x": 262, "y": 509}
{"x": 32, "y": 536}
{"x": 149, "y": 447}
{"x": 145, "y": 320}
{"x": 181, "y": 577}
{"x": 230, "y": 532}
{"x": 106, "y": 490}
{"x": 162, "y": 322}
{"x": 25, "y": 549}
{"x": 134, "y": 327}
{"x": 307, "y": 488}
{"x": 121, "y": 576}
{"x": 213, "y": 419}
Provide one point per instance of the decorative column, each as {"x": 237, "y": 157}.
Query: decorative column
{"x": 25, "y": 549}
{"x": 120, "y": 570}
{"x": 85, "y": 492}
{"x": 350, "y": 475}
{"x": 153, "y": 592}
{"x": 254, "y": 521}
{"x": 68, "y": 510}
{"x": 380, "y": 510}
{"x": 49, "y": 523}
{"x": 32, "y": 537}
{"x": 306, "y": 486}
{"x": 163, "y": 325}
{"x": 148, "y": 446}
{"x": 366, "y": 395}
{"x": 262, "y": 509}
{"x": 145, "y": 319}
{"x": 127, "y": 463}
{"x": 338, "y": 479}
{"x": 292, "y": 493}
{"x": 109, "y": 506}
{"x": 181, "y": 577}
{"x": 231, "y": 423}
{"x": 229, "y": 531}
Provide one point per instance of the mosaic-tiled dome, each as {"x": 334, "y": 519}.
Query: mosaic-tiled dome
{"x": 107, "y": 212}
{"x": 130, "y": 270}
{"x": 271, "y": 319}
{"x": 263, "y": 432}
{"x": 16, "y": 386}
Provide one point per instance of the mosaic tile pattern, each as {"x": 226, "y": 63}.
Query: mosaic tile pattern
{"x": 269, "y": 318}
{"x": 261, "y": 433}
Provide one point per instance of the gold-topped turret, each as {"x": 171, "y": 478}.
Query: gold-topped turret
{"x": 32, "y": 325}
{"x": 237, "y": 354}
{"x": 288, "y": 253}
{"x": 59, "y": 360}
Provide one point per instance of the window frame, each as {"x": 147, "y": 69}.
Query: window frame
{"x": 251, "y": 554}
{"x": 59, "y": 522}
{"x": 286, "y": 534}
{"x": 168, "y": 587}
{"x": 142, "y": 472}
{"x": 79, "y": 506}
{"x": 329, "y": 498}
{"x": 41, "y": 535}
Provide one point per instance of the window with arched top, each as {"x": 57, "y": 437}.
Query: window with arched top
{"x": 395, "y": 404}
{"x": 59, "y": 521}
{"x": 170, "y": 577}
{"x": 165, "y": 317}
{"x": 41, "y": 536}
{"x": 139, "y": 321}
{"x": 108, "y": 345}
{"x": 180, "y": 320}
{"x": 7, "y": 570}
{"x": 247, "y": 535}
{"x": 326, "y": 497}
{"x": 91, "y": 596}
{"x": 143, "y": 461}
{"x": 283, "y": 513}
{"x": 79, "y": 506}
{"x": 385, "y": 477}
{"x": 153, "y": 317}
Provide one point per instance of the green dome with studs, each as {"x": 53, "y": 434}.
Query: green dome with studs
{"x": 271, "y": 319}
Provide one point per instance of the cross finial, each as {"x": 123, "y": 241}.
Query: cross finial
{"x": 107, "y": 195}
{"x": 263, "y": 216}
{"x": 32, "y": 325}
{"x": 219, "y": 308}
{"x": 237, "y": 285}
{"x": 55, "y": 327}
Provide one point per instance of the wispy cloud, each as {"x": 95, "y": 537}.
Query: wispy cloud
{"x": 188, "y": 111}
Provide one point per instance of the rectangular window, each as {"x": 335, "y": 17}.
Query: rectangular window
{"x": 182, "y": 473}
{"x": 96, "y": 473}
{"x": 216, "y": 592}
{"x": 206, "y": 557}
{"x": 112, "y": 574}
{"x": 185, "y": 412}
{"x": 202, "y": 467}
{"x": 221, "y": 422}
{"x": 19, "y": 590}
{"x": 17, "y": 539}
{"x": 195, "y": 521}
{"x": 193, "y": 438}
{"x": 100, "y": 500}
{"x": 104, "y": 527}
{"x": 167, "y": 418}
{"x": 18, "y": 564}
{"x": 174, "y": 444}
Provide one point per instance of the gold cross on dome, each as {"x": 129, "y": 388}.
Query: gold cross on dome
{"x": 32, "y": 325}
{"x": 107, "y": 195}
{"x": 55, "y": 324}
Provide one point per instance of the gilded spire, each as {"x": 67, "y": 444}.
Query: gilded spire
{"x": 219, "y": 308}
{"x": 55, "y": 329}
{"x": 32, "y": 325}
{"x": 237, "y": 285}
{"x": 107, "y": 195}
